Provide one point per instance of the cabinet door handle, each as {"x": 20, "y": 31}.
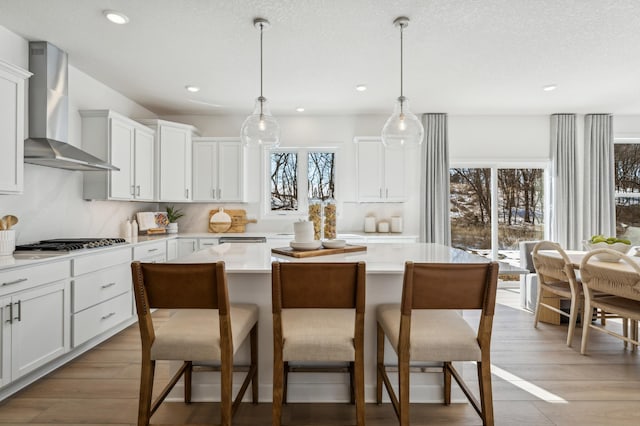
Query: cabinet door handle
{"x": 19, "y": 317}
{"x": 380, "y": 192}
{"x": 109, "y": 315}
{"x": 133, "y": 190}
{"x": 19, "y": 280}
{"x": 107, "y": 285}
{"x": 208, "y": 244}
{"x": 138, "y": 190}
{"x": 193, "y": 245}
{"x": 152, "y": 250}
{"x": 219, "y": 193}
{"x": 213, "y": 193}
{"x": 387, "y": 196}
{"x": 186, "y": 193}
{"x": 10, "y": 306}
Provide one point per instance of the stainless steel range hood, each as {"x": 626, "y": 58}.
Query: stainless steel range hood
{"x": 49, "y": 114}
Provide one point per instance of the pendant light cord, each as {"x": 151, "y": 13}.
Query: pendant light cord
{"x": 261, "y": 97}
{"x": 401, "y": 58}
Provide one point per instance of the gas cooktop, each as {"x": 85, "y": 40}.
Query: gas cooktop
{"x": 70, "y": 244}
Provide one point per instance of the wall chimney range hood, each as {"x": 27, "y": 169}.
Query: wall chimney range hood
{"x": 49, "y": 114}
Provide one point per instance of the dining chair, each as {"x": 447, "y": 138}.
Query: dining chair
{"x": 427, "y": 327}
{"x": 318, "y": 315}
{"x": 202, "y": 328}
{"x": 557, "y": 280}
{"x": 619, "y": 287}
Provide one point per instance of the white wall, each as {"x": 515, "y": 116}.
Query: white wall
{"x": 52, "y": 205}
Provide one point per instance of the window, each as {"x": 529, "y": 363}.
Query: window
{"x": 289, "y": 192}
{"x": 493, "y": 209}
{"x": 627, "y": 187}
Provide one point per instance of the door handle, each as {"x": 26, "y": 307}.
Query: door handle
{"x": 133, "y": 190}
{"x": 109, "y": 315}
{"x": 387, "y": 196}
{"x": 219, "y": 193}
{"x": 10, "y": 306}
{"x": 107, "y": 285}
{"x": 186, "y": 193}
{"x": 19, "y": 317}
{"x": 138, "y": 190}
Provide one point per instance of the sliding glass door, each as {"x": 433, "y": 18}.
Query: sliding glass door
{"x": 492, "y": 209}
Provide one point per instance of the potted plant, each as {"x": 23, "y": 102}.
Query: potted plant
{"x": 173, "y": 214}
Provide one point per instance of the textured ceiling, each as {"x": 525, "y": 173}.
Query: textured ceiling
{"x": 461, "y": 56}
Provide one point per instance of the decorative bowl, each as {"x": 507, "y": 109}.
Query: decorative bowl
{"x": 605, "y": 257}
{"x": 306, "y": 245}
{"x": 334, "y": 244}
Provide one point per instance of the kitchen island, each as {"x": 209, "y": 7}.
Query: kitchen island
{"x": 248, "y": 269}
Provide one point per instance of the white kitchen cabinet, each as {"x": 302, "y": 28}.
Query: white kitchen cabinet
{"x": 172, "y": 159}
{"x": 5, "y": 340}
{"x": 35, "y": 317}
{"x": 380, "y": 171}
{"x": 186, "y": 246}
{"x": 40, "y": 327}
{"x": 172, "y": 250}
{"x": 154, "y": 252}
{"x": 204, "y": 243}
{"x": 127, "y": 145}
{"x": 218, "y": 169}
{"x": 12, "y": 112}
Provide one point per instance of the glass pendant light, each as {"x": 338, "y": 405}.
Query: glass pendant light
{"x": 260, "y": 128}
{"x": 403, "y": 128}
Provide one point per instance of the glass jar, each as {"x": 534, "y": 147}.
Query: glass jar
{"x": 329, "y": 211}
{"x": 315, "y": 216}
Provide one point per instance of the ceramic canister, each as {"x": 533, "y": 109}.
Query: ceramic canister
{"x": 7, "y": 242}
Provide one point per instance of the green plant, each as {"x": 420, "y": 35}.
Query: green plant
{"x": 173, "y": 214}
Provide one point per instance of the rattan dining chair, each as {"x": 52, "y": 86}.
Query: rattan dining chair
{"x": 557, "y": 280}
{"x": 428, "y": 327}
{"x": 203, "y": 327}
{"x": 619, "y": 287}
{"x": 318, "y": 315}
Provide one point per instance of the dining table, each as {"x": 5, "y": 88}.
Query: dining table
{"x": 248, "y": 269}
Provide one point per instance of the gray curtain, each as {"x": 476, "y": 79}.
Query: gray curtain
{"x": 599, "y": 213}
{"x": 565, "y": 229}
{"x": 435, "y": 227}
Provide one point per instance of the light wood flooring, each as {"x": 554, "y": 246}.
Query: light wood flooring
{"x": 537, "y": 380}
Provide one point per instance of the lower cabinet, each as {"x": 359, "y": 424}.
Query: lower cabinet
{"x": 102, "y": 293}
{"x": 34, "y": 304}
{"x": 186, "y": 246}
{"x": 151, "y": 252}
{"x": 39, "y": 327}
{"x": 172, "y": 250}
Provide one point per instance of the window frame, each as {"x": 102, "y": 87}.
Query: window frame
{"x": 303, "y": 171}
{"x": 505, "y": 164}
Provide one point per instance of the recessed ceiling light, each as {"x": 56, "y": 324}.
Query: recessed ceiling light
{"x": 550, "y": 87}
{"x": 116, "y": 17}
{"x": 361, "y": 87}
{"x": 192, "y": 89}
{"x": 300, "y": 109}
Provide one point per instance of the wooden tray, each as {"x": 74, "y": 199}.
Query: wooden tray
{"x": 288, "y": 251}
{"x": 238, "y": 220}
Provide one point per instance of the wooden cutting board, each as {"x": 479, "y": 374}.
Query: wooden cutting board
{"x": 238, "y": 220}
{"x": 288, "y": 251}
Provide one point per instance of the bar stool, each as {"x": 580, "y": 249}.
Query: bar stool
{"x": 318, "y": 315}
{"x": 203, "y": 328}
{"x": 426, "y": 327}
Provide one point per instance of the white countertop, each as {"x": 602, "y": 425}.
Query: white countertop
{"x": 380, "y": 258}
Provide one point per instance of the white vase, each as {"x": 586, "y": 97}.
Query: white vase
{"x": 172, "y": 228}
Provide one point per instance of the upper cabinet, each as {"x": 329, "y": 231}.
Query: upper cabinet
{"x": 380, "y": 171}
{"x": 127, "y": 145}
{"x": 172, "y": 159}
{"x": 218, "y": 169}
{"x": 12, "y": 96}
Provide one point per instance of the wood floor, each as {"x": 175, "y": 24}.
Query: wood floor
{"x": 537, "y": 381}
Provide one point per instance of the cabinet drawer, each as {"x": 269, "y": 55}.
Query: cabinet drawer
{"x": 94, "y": 262}
{"x": 204, "y": 243}
{"x": 23, "y": 278}
{"x": 100, "y": 318}
{"x": 99, "y": 286}
{"x": 150, "y": 250}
